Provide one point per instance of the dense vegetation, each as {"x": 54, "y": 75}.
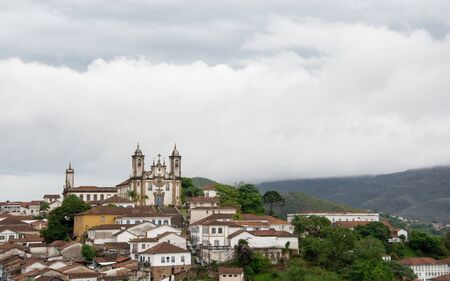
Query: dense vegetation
{"x": 422, "y": 194}
{"x": 189, "y": 189}
{"x": 61, "y": 219}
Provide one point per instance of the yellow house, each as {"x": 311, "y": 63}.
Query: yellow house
{"x": 104, "y": 215}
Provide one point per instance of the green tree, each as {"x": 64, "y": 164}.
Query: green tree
{"x": 314, "y": 226}
{"x": 253, "y": 263}
{"x": 375, "y": 229}
{"x": 369, "y": 270}
{"x": 61, "y": 219}
{"x": 134, "y": 196}
{"x": 425, "y": 244}
{"x": 250, "y": 199}
{"x": 44, "y": 207}
{"x": 401, "y": 272}
{"x": 54, "y": 231}
{"x": 229, "y": 196}
{"x": 188, "y": 189}
{"x": 273, "y": 198}
{"x": 446, "y": 240}
{"x": 369, "y": 248}
{"x": 88, "y": 252}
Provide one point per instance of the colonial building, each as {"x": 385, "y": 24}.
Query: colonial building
{"x": 426, "y": 268}
{"x": 90, "y": 194}
{"x": 160, "y": 186}
{"x": 338, "y": 216}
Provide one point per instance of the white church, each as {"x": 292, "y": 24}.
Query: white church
{"x": 160, "y": 185}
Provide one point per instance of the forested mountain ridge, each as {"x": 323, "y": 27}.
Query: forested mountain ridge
{"x": 422, "y": 194}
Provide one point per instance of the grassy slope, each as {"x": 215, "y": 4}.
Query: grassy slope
{"x": 300, "y": 201}
{"x": 201, "y": 182}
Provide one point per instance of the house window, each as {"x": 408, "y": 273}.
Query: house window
{"x": 213, "y": 230}
{"x": 81, "y": 196}
{"x": 182, "y": 259}
{"x": 2, "y": 237}
{"x": 95, "y": 197}
{"x": 102, "y": 197}
{"x": 219, "y": 230}
{"x": 172, "y": 259}
{"x": 167, "y": 259}
{"x": 163, "y": 260}
{"x": 167, "y": 187}
{"x": 216, "y": 242}
{"x": 166, "y": 222}
{"x": 88, "y": 197}
{"x": 143, "y": 246}
{"x": 149, "y": 187}
{"x": 11, "y": 237}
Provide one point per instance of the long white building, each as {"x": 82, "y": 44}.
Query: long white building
{"x": 338, "y": 216}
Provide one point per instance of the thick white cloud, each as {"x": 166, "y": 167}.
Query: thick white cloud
{"x": 318, "y": 98}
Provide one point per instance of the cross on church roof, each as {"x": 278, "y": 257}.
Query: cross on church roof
{"x": 159, "y": 157}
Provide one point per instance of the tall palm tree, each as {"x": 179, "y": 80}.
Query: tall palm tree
{"x": 133, "y": 195}
{"x": 143, "y": 198}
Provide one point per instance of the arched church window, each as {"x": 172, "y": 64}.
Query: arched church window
{"x": 139, "y": 162}
{"x": 176, "y": 163}
{"x": 167, "y": 187}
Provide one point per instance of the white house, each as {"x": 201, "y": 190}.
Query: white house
{"x": 118, "y": 201}
{"x": 164, "y": 260}
{"x": 398, "y": 235}
{"x": 426, "y": 268}
{"x": 338, "y": 216}
{"x": 200, "y": 201}
{"x": 270, "y": 243}
{"x": 110, "y": 233}
{"x": 156, "y": 219}
{"x": 261, "y": 222}
{"x": 209, "y": 191}
{"x": 142, "y": 244}
{"x": 196, "y": 214}
{"x": 213, "y": 230}
{"x": 153, "y": 232}
{"x": 231, "y": 274}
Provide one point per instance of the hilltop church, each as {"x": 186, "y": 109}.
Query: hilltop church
{"x": 159, "y": 186}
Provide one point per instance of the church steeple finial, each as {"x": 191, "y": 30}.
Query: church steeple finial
{"x": 138, "y": 150}
{"x": 70, "y": 165}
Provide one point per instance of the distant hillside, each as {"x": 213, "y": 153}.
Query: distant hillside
{"x": 419, "y": 194}
{"x": 295, "y": 201}
{"x": 300, "y": 201}
{"x": 201, "y": 182}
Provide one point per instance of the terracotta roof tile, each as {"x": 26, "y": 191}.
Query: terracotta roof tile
{"x": 231, "y": 270}
{"x": 165, "y": 248}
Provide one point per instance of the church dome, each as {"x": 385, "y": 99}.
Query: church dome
{"x": 138, "y": 151}
{"x": 175, "y": 151}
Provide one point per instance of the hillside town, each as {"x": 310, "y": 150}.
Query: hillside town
{"x": 151, "y": 227}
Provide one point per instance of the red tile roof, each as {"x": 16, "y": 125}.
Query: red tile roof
{"x": 231, "y": 270}
{"x": 202, "y": 199}
{"x": 420, "y": 261}
{"x": 92, "y": 188}
{"x": 165, "y": 248}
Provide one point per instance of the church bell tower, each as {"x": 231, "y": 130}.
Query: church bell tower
{"x": 70, "y": 179}
{"x": 137, "y": 163}
{"x": 175, "y": 162}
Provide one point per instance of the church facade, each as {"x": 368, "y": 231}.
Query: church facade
{"x": 158, "y": 186}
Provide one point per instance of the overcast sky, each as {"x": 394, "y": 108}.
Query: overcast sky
{"x": 249, "y": 90}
